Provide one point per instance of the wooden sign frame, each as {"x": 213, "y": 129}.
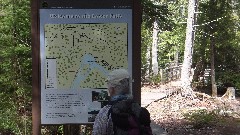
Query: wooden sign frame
{"x": 36, "y": 61}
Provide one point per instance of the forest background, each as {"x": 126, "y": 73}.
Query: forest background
{"x": 215, "y": 46}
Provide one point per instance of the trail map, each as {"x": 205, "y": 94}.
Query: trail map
{"x": 81, "y": 55}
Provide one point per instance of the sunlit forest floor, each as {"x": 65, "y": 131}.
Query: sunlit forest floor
{"x": 198, "y": 115}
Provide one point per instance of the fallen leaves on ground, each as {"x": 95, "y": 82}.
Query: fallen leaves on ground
{"x": 169, "y": 114}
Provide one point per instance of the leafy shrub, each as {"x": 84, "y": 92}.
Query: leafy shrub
{"x": 200, "y": 118}
{"x": 156, "y": 79}
{"x": 229, "y": 77}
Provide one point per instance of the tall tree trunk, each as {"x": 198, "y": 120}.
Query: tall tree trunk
{"x": 176, "y": 57}
{"x": 213, "y": 82}
{"x": 212, "y": 46}
{"x": 202, "y": 61}
{"x": 154, "y": 49}
{"x": 148, "y": 57}
{"x": 187, "y": 62}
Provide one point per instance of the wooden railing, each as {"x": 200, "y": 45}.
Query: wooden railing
{"x": 170, "y": 73}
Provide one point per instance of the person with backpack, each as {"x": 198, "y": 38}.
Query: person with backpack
{"x": 122, "y": 115}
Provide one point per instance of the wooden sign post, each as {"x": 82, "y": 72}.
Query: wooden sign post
{"x": 75, "y": 44}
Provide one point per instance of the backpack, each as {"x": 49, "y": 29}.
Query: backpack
{"x": 129, "y": 118}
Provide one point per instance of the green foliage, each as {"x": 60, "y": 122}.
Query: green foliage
{"x": 201, "y": 118}
{"x": 170, "y": 15}
{"x": 156, "y": 79}
{"x": 146, "y": 41}
{"x": 15, "y": 67}
{"x": 171, "y": 41}
{"x": 145, "y": 59}
{"x": 7, "y": 114}
{"x": 52, "y": 129}
{"x": 219, "y": 25}
{"x": 153, "y": 10}
{"x": 229, "y": 77}
{"x": 171, "y": 44}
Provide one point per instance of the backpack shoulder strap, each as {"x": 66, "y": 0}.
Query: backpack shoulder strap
{"x": 145, "y": 117}
{"x": 109, "y": 112}
{"x": 145, "y": 121}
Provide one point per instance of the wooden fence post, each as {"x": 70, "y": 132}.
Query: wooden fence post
{"x": 161, "y": 75}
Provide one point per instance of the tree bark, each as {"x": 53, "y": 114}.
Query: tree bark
{"x": 212, "y": 46}
{"x": 187, "y": 62}
{"x": 149, "y": 62}
{"x": 214, "y": 86}
{"x": 155, "y": 49}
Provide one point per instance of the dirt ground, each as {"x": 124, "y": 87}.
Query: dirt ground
{"x": 170, "y": 114}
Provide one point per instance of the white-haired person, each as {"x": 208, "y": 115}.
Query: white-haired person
{"x": 122, "y": 115}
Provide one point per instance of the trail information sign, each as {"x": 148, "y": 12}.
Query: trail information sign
{"x": 80, "y": 43}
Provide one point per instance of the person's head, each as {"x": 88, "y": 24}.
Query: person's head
{"x": 118, "y": 82}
